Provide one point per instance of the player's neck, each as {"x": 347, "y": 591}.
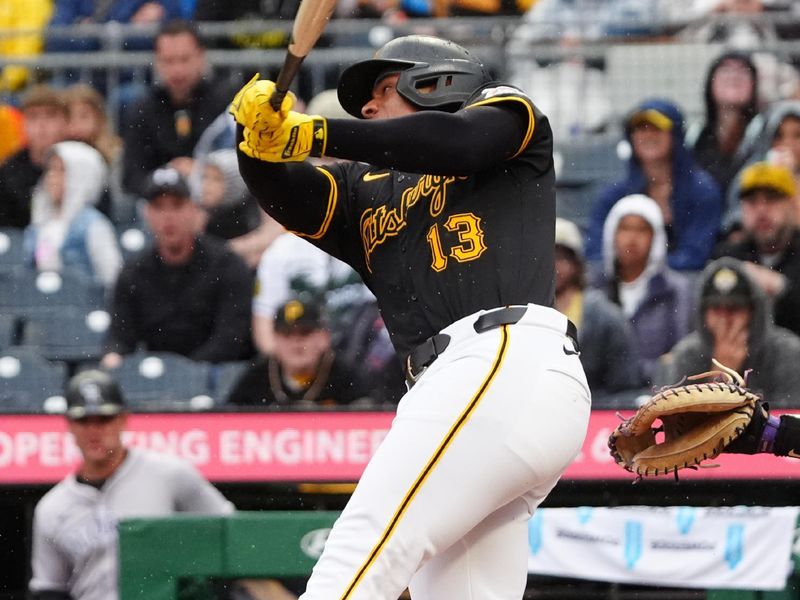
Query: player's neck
{"x": 99, "y": 470}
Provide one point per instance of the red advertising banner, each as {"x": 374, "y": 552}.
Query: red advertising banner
{"x": 229, "y": 447}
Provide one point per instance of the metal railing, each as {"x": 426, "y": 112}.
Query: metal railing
{"x": 631, "y": 66}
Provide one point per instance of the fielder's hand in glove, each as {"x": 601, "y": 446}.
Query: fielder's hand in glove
{"x": 698, "y": 421}
{"x": 760, "y": 434}
{"x": 251, "y": 107}
{"x": 296, "y": 138}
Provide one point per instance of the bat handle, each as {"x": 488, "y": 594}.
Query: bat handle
{"x": 291, "y": 65}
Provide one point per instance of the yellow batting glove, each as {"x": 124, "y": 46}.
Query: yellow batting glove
{"x": 251, "y": 107}
{"x": 295, "y": 139}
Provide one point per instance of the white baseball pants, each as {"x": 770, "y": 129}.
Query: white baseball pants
{"x": 476, "y": 445}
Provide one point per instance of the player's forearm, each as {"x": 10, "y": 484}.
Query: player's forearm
{"x": 430, "y": 141}
{"x": 769, "y": 434}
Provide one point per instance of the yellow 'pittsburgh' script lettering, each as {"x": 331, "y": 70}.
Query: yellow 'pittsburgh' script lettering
{"x": 381, "y": 223}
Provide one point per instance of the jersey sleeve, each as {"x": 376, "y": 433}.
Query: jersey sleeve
{"x": 339, "y": 235}
{"x": 194, "y": 493}
{"x": 511, "y": 97}
{"x": 49, "y": 567}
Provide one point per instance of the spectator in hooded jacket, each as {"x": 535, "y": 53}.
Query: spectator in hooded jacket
{"x": 774, "y": 137}
{"x": 770, "y": 240}
{"x": 662, "y": 168}
{"x": 733, "y": 324}
{"x": 66, "y": 230}
{"x": 656, "y": 300}
{"x": 731, "y": 100}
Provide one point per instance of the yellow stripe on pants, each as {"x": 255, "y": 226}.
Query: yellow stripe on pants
{"x": 462, "y": 419}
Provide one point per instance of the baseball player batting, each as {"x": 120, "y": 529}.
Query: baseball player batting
{"x": 447, "y": 211}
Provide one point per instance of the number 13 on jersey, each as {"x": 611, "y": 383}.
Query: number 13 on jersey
{"x": 470, "y": 245}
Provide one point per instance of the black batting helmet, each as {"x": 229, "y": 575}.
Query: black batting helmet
{"x": 93, "y": 393}
{"x": 448, "y": 73}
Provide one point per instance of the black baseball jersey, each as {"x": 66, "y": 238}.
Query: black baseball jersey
{"x": 436, "y": 248}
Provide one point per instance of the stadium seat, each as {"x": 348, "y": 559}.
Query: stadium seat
{"x": 11, "y": 247}
{"x": 25, "y": 292}
{"x": 132, "y": 240}
{"x": 70, "y": 335}
{"x": 8, "y": 331}
{"x": 590, "y": 161}
{"x": 163, "y": 381}
{"x": 583, "y": 169}
{"x": 29, "y": 383}
{"x": 223, "y": 377}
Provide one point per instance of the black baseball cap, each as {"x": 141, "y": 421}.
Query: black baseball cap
{"x": 93, "y": 393}
{"x": 166, "y": 180}
{"x": 300, "y": 314}
{"x": 727, "y": 287}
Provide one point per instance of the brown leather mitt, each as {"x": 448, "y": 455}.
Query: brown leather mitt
{"x": 698, "y": 421}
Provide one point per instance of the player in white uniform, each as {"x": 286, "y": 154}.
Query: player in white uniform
{"x": 447, "y": 211}
{"x": 74, "y": 554}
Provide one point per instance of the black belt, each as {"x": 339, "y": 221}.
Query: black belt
{"x": 421, "y": 357}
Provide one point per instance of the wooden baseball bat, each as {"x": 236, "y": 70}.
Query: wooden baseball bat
{"x": 311, "y": 18}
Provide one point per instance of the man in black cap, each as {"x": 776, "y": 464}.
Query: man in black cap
{"x": 734, "y": 325}
{"x": 303, "y": 369}
{"x": 74, "y": 555}
{"x": 187, "y": 293}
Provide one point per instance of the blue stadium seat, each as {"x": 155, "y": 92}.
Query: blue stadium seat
{"x": 132, "y": 239}
{"x": 8, "y": 331}
{"x": 71, "y": 335}
{"x": 163, "y": 381}
{"x": 589, "y": 162}
{"x": 583, "y": 169}
{"x": 223, "y": 377}
{"x": 11, "y": 247}
{"x": 28, "y": 381}
{"x": 25, "y": 292}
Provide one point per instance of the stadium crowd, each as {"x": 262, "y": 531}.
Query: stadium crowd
{"x": 689, "y": 254}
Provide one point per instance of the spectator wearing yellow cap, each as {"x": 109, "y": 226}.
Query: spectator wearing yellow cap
{"x": 770, "y": 238}
{"x": 662, "y": 167}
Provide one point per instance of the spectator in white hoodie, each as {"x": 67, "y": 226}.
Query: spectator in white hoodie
{"x": 66, "y": 230}
{"x": 655, "y": 299}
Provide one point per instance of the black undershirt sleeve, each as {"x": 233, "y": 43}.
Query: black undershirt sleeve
{"x": 431, "y": 142}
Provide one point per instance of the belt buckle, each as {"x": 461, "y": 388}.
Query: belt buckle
{"x": 410, "y": 371}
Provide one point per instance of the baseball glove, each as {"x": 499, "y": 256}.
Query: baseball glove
{"x": 698, "y": 420}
